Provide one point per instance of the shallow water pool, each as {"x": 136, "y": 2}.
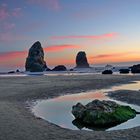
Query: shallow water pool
{"x": 58, "y": 110}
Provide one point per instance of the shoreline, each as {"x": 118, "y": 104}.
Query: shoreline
{"x": 17, "y": 122}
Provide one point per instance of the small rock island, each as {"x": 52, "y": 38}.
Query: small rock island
{"x": 101, "y": 114}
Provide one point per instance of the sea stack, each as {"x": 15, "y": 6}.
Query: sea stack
{"x": 81, "y": 60}
{"x": 35, "y": 60}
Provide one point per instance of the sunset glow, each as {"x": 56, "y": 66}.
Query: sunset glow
{"x": 108, "y": 31}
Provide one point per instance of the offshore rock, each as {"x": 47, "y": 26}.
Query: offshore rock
{"x": 135, "y": 68}
{"x": 35, "y": 60}
{"x": 81, "y": 60}
{"x": 59, "y": 68}
{"x": 124, "y": 71}
{"x": 107, "y": 72}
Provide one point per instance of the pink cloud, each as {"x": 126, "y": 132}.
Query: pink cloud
{"x": 4, "y": 14}
{"x": 55, "y": 48}
{"x": 17, "y": 58}
{"x": 53, "y": 4}
{"x": 12, "y": 54}
{"x": 7, "y": 13}
{"x": 92, "y": 37}
{"x": 106, "y": 55}
{"x": 112, "y": 55}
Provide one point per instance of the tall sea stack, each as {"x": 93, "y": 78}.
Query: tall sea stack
{"x": 81, "y": 60}
{"x": 35, "y": 60}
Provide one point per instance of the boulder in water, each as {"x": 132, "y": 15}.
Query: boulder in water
{"x": 102, "y": 113}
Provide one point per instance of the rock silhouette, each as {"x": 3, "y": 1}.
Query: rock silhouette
{"x": 107, "y": 72}
{"x": 35, "y": 60}
{"x": 81, "y": 60}
{"x": 124, "y": 71}
{"x": 135, "y": 68}
{"x": 59, "y": 68}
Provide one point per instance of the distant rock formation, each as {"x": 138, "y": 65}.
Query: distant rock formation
{"x": 135, "y": 68}
{"x": 17, "y": 70}
{"x": 107, "y": 72}
{"x": 35, "y": 60}
{"x": 10, "y": 72}
{"x": 59, "y": 68}
{"x": 124, "y": 71}
{"x": 81, "y": 60}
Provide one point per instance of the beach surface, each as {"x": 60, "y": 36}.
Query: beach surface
{"x": 18, "y": 123}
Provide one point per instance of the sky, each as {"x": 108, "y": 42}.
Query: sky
{"x": 107, "y": 30}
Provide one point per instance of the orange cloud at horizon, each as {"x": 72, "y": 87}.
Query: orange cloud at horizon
{"x": 55, "y": 48}
{"x": 15, "y": 58}
{"x": 18, "y": 58}
{"x": 115, "y": 58}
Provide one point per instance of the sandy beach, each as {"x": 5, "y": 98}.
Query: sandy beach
{"x": 18, "y": 123}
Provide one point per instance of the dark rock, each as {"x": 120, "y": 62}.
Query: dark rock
{"x": 101, "y": 114}
{"x": 35, "y": 60}
{"x": 107, "y": 72}
{"x": 11, "y": 72}
{"x": 59, "y": 68}
{"x": 124, "y": 71}
{"x": 71, "y": 70}
{"x": 78, "y": 110}
{"x": 17, "y": 70}
{"x": 135, "y": 68}
{"x": 81, "y": 60}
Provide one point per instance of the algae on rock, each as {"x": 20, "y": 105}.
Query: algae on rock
{"x": 102, "y": 113}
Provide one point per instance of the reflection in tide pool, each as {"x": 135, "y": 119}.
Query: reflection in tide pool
{"x": 58, "y": 110}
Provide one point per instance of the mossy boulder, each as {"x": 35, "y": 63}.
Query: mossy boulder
{"x": 102, "y": 113}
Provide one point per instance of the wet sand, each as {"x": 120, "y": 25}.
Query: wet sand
{"x": 18, "y": 123}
